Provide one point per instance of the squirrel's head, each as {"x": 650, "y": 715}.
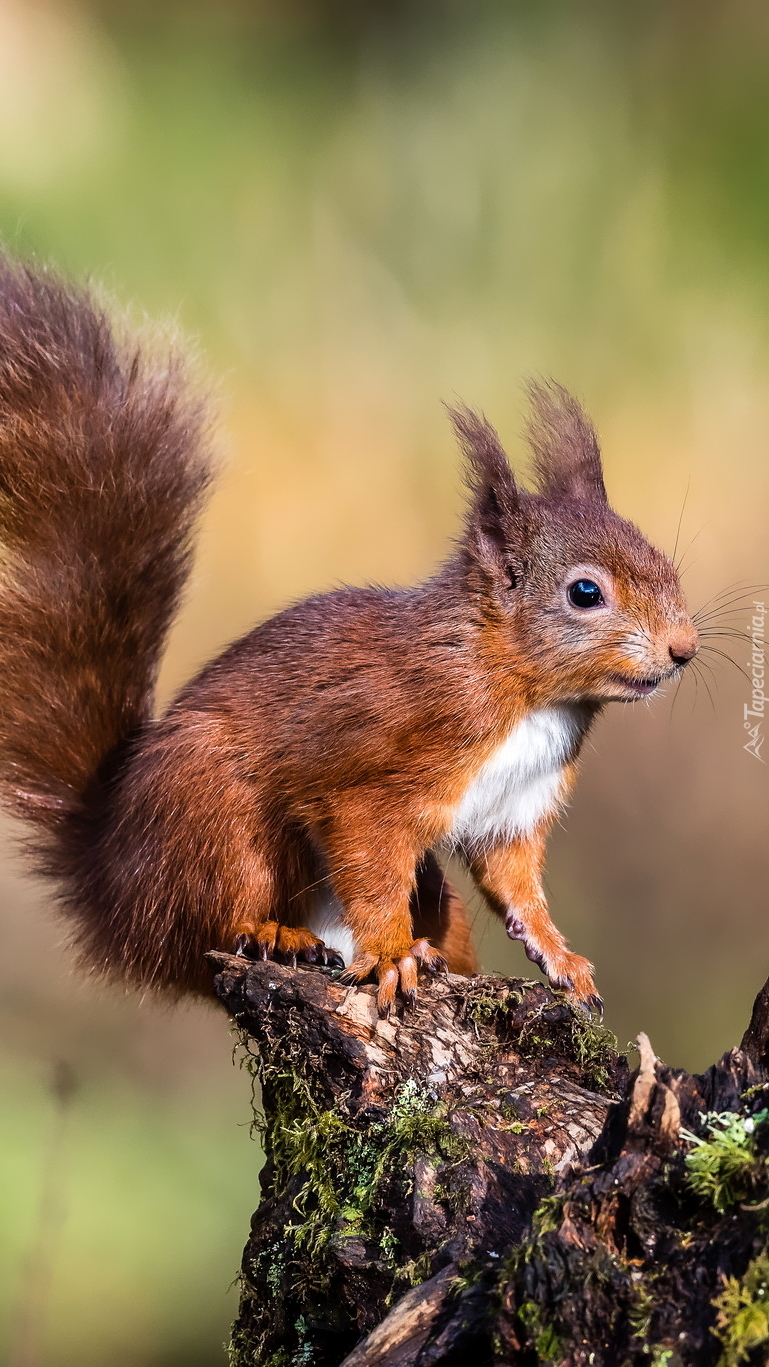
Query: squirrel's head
{"x": 571, "y": 594}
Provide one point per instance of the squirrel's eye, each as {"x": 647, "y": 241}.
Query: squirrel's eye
{"x": 585, "y": 594}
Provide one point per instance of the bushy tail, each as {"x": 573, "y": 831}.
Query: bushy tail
{"x": 103, "y": 469}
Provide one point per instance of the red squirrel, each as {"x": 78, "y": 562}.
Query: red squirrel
{"x": 291, "y": 799}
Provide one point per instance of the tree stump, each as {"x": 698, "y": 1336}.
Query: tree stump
{"x": 481, "y": 1180}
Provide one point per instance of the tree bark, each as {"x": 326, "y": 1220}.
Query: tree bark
{"x": 480, "y": 1180}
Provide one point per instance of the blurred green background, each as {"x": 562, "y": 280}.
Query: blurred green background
{"x": 356, "y": 210}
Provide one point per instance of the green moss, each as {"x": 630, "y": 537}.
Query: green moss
{"x": 417, "y": 1270}
{"x": 389, "y": 1243}
{"x": 313, "y": 1146}
{"x": 302, "y": 1356}
{"x": 304, "y": 1353}
{"x": 418, "y": 1122}
{"x": 726, "y": 1168}
{"x": 242, "y": 1351}
{"x": 342, "y": 1163}
{"x": 546, "y": 1340}
{"x": 469, "y": 1275}
{"x": 273, "y": 1259}
{"x": 512, "y": 1124}
{"x": 486, "y": 1008}
{"x": 548, "y": 1216}
{"x": 752, "y": 1093}
{"x": 640, "y": 1312}
{"x": 340, "y": 1167}
{"x": 722, "y": 1169}
{"x": 344, "y": 1169}
{"x": 592, "y": 1045}
{"x": 595, "y": 1049}
{"x": 550, "y": 1283}
{"x": 742, "y": 1322}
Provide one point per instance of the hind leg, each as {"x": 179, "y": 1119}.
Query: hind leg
{"x": 251, "y": 866}
{"x": 439, "y": 914}
{"x": 202, "y": 865}
{"x": 265, "y": 927}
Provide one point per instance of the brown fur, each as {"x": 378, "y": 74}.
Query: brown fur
{"x": 331, "y": 745}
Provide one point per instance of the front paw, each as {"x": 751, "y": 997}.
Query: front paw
{"x": 396, "y": 973}
{"x": 573, "y": 974}
{"x": 565, "y": 972}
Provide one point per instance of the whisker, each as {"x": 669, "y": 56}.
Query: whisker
{"x": 728, "y": 618}
{"x": 706, "y": 686}
{"x": 680, "y": 565}
{"x": 705, "y": 664}
{"x": 444, "y": 872}
{"x": 679, "y": 681}
{"x": 724, "y": 656}
{"x": 741, "y": 584}
{"x": 728, "y": 637}
{"x": 730, "y": 593}
{"x": 716, "y": 650}
{"x": 713, "y": 630}
{"x": 727, "y": 609}
{"x": 326, "y": 878}
{"x": 695, "y": 676}
{"x": 680, "y": 520}
{"x": 720, "y": 614}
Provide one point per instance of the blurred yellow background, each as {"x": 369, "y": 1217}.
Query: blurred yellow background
{"x": 355, "y": 210}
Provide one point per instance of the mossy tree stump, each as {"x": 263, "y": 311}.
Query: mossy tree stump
{"x": 481, "y": 1181}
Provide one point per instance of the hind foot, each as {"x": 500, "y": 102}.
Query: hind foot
{"x": 286, "y": 944}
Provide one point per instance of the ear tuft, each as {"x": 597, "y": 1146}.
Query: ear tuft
{"x": 567, "y": 457}
{"x": 487, "y": 471}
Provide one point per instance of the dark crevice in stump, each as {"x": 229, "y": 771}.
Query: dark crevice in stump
{"x": 480, "y": 1181}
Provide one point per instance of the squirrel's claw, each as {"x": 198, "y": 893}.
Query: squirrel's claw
{"x": 290, "y": 944}
{"x": 592, "y": 1005}
{"x": 319, "y": 953}
{"x": 396, "y": 974}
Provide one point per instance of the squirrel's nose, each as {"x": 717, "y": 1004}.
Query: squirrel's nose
{"x": 683, "y": 649}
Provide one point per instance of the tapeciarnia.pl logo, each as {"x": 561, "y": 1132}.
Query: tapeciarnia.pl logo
{"x": 753, "y": 712}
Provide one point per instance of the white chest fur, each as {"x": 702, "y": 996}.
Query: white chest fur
{"x": 521, "y": 780}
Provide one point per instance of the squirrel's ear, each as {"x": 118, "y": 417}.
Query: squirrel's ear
{"x": 567, "y": 457}
{"x": 487, "y": 472}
